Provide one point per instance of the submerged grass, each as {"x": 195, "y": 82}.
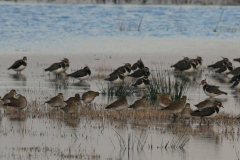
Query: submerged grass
{"x": 163, "y": 82}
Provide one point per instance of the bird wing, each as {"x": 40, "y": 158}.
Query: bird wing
{"x": 53, "y": 67}
{"x": 234, "y": 79}
{"x": 14, "y": 102}
{"x": 112, "y": 77}
{"x": 184, "y": 66}
{"x": 178, "y": 64}
{"x": 235, "y": 71}
{"x": 16, "y": 64}
{"x": 79, "y": 73}
{"x": 122, "y": 69}
{"x": 221, "y": 69}
{"x": 138, "y": 82}
{"x": 116, "y": 104}
{"x": 134, "y": 66}
{"x": 205, "y": 112}
{"x": 217, "y": 64}
{"x": 213, "y": 89}
{"x": 137, "y": 73}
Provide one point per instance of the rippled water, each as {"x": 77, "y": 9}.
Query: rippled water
{"x": 90, "y": 35}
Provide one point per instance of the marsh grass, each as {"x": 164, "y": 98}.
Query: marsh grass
{"x": 122, "y": 89}
{"x": 161, "y": 81}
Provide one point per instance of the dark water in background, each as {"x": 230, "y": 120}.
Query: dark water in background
{"x": 91, "y": 35}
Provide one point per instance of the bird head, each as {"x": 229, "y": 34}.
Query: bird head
{"x": 159, "y": 95}
{"x": 199, "y": 58}
{"x": 169, "y": 96}
{"x": 145, "y": 77}
{"x": 128, "y": 65}
{"x": 203, "y": 82}
{"x": 86, "y": 68}
{"x": 139, "y": 61}
{"x": 19, "y": 95}
{"x": 225, "y": 59}
{"x": 60, "y": 95}
{"x": 184, "y": 98}
{"x": 219, "y": 104}
{"x": 187, "y": 105}
{"x": 186, "y": 59}
{"x": 25, "y": 59}
{"x": 146, "y": 69}
{"x": 13, "y": 91}
{"x": 193, "y": 61}
{"x": 96, "y": 94}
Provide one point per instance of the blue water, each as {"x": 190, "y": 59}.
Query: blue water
{"x": 22, "y": 24}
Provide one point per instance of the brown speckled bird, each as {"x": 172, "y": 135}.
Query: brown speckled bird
{"x": 118, "y": 104}
{"x": 71, "y": 107}
{"x": 204, "y": 104}
{"x": 76, "y": 99}
{"x": 176, "y": 106}
{"x": 89, "y": 96}
{"x": 186, "y": 112}
{"x": 9, "y": 95}
{"x": 140, "y": 104}
{"x": 19, "y": 103}
{"x": 56, "y": 101}
{"x": 164, "y": 101}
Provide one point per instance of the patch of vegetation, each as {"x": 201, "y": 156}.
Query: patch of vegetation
{"x": 162, "y": 82}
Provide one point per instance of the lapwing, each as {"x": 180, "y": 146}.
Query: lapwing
{"x": 235, "y": 78}
{"x": 140, "y": 73}
{"x": 235, "y": 72}
{"x": 137, "y": 66}
{"x": 116, "y": 78}
{"x": 204, "y": 104}
{"x": 89, "y": 96}
{"x": 141, "y": 104}
{"x": 211, "y": 91}
{"x": 65, "y": 64}
{"x": 82, "y": 74}
{"x": 188, "y": 67}
{"x": 208, "y": 112}
{"x": 237, "y": 60}
{"x": 186, "y": 112}
{"x": 219, "y": 63}
{"x": 126, "y": 70}
{"x": 19, "y": 103}
{"x": 176, "y": 106}
{"x": 71, "y": 107}
{"x": 77, "y": 98}
{"x": 118, "y": 104}
{"x": 58, "y": 67}
{"x": 225, "y": 69}
{"x": 6, "y": 97}
{"x": 19, "y": 65}
{"x": 56, "y": 102}
{"x": 199, "y": 62}
{"x": 164, "y": 101}
{"x": 142, "y": 83}
{"x": 180, "y": 63}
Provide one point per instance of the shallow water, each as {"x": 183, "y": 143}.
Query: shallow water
{"x": 47, "y": 33}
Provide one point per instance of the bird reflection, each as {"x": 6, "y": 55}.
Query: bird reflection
{"x": 81, "y": 84}
{"x": 18, "y": 77}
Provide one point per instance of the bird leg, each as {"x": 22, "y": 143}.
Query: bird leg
{"x": 201, "y": 121}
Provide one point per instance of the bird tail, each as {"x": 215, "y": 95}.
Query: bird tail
{"x": 108, "y": 107}
{"x": 47, "y": 69}
{"x": 7, "y": 104}
{"x": 210, "y": 66}
{"x": 132, "y": 106}
{"x": 9, "y": 68}
{"x": 69, "y": 75}
{"x": 224, "y": 93}
{"x": 107, "y": 79}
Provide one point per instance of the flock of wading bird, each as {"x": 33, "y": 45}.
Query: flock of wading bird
{"x": 207, "y": 108}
